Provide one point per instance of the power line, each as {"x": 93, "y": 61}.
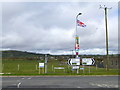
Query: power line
{"x": 103, "y": 7}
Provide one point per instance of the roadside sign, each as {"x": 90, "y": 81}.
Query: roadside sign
{"x": 62, "y": 68}
{"x": 69, "y": 61}
{"x": 74, "y": 61}
{"x": 81, "y": 68}
{"x": 41, "y": 65}
{"x": 88, "y": 61}
{"x": 75, "y": 67}
{"x": 59, "y": 68}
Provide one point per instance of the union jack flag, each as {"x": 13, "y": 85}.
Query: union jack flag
{"x": 79, "y": 23}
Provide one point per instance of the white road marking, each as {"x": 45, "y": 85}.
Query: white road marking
{"x": 18, "y": 85}
{"x": 29, "y": 78}
{"x": 23, "y": 78}
{"x": 105, "y": 85}
{"x": 78, "y": 87}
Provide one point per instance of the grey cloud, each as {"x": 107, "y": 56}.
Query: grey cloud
{"x": 29, "y": 26}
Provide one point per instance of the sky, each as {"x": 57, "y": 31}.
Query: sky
{"x": 49, "y": 27}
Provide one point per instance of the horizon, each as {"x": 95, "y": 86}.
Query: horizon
{"x": 57, "y": 54}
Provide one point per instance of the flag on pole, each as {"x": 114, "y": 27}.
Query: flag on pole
{"x": 79, "y": 23}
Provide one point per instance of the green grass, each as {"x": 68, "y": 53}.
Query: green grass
{"x": 28, "y": 67}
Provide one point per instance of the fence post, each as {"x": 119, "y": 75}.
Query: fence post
{"x": 64, "y": 69}
{"x": 52, "y": 67}
{"x": 106, "y": 67}
{"x": 68, "y": 67}
{"x": 43, "y": 70}
{"x": 39, "y": 70}
{"x": 36, "y": 67}
{"x": 2, "y": 67}
{"x": 96, "y": 66}
{"x": 89, "y": 69}
{"x": 77, "y": 71}
{"x": 18, "y": 67}
{"x": 83, "y": 69}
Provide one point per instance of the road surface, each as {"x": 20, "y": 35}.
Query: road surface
{"x": 60, "y": 82}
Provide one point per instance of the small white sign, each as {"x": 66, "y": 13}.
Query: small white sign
{"x": 59, "y": 68}
{"x": 75, "y": 67}
{"x": 88, "y": 61}
{"x": 41, "y": 65}
{"x": 81, "y": 68}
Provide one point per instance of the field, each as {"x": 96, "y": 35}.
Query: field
{"x": 30, "y": 67}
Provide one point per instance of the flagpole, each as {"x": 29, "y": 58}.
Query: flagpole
{"x": 76, "y": 36}
{"x": 76, "y": 26}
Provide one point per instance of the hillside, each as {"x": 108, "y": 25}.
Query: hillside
{"x": 13, "y": 54}
{"x": 19, "y": 54}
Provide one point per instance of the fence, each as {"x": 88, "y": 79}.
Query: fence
{"x": 53, "y": 69}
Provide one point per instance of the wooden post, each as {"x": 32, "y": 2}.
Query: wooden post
{"x": 106, "y": 67}
{"x": 2, "y": 67}
{"x": 96, "y": 66}
{"x": 77, "y": 71}
{"x": 43, "y": 70}
{"x": 18, "y": 67}
{"x": 36, "y": 67}
{"x": 64, "y": 69}
{"x": 52, "y": 67}
{"x": 89, "y": 69}
{"x": 39, "y": 70}
{"x": 83, "y": 69}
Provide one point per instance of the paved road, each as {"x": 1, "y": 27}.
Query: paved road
{"x": 61, "y": 82}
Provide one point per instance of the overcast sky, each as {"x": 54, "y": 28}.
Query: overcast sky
{"x": 49, "y": 27}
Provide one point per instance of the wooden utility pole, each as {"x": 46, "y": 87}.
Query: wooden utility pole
{"x": 106, "y": 26}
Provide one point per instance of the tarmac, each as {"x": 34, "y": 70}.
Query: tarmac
{"x": 60, "y": 81}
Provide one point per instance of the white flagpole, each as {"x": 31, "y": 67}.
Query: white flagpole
{"x": 76, "y": 34}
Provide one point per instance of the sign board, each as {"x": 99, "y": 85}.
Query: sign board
{"x": 59, "y": 68}
{"x": 75, "y": 67}
{"x": 88, "y": 61}
{"x": 41, "y": 65}
{"x": 81, "y": 68}
{"x": 74, "y": 61}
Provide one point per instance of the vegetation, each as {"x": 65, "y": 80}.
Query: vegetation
{"x": 24, "y": 63}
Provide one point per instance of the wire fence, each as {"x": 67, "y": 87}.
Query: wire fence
{"x": 53, "y": 68}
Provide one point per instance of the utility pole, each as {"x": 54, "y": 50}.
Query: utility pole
{"x": 106, "y": 26}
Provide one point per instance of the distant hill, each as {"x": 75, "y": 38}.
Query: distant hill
{"x": 19, "y": 54}
{"x": 14, "y": 55}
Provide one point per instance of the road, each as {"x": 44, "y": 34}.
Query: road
{"x": 60, "y": 82}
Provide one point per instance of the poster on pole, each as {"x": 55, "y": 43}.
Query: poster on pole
{"x": 41, "y": 65}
